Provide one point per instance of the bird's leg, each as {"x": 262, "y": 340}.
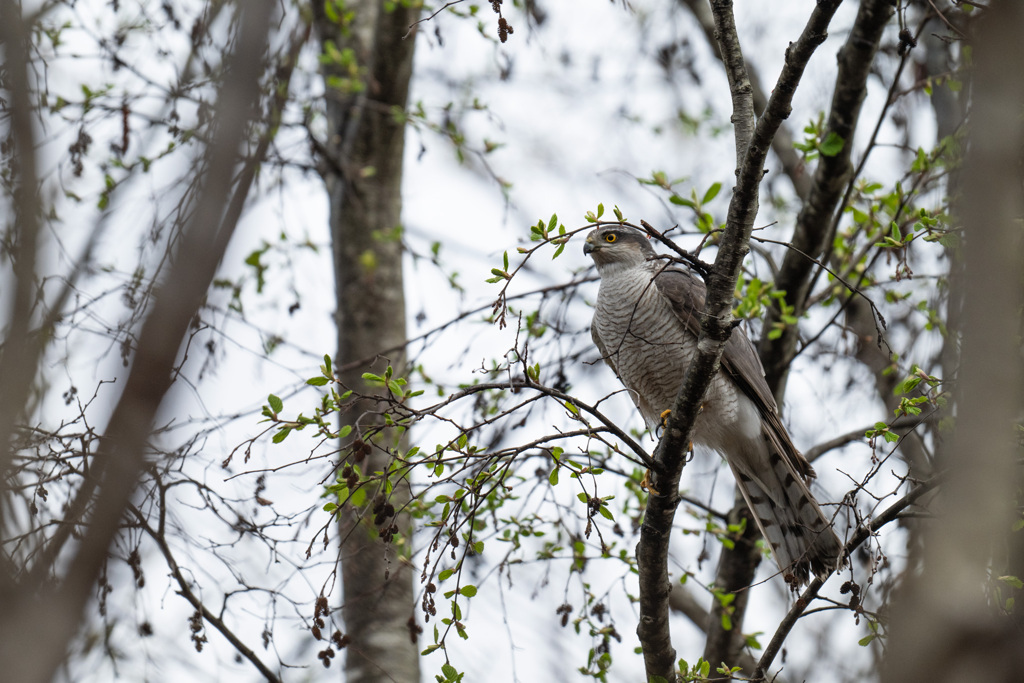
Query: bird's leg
{"x": 664, "y": 421}
{"x": 645, "y": 483}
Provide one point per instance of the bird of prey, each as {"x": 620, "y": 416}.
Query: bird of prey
{"x": 645, "y": 327}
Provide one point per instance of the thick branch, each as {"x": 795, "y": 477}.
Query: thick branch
{"x": 830, "y": 178}
{"x": 19, "y": 351}
{"x": 368, "y": 137}
{"x": 716, "y": 326}
{"x": 736, "y": 73}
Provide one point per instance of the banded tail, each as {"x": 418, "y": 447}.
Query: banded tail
{"x": 802, "y": 539}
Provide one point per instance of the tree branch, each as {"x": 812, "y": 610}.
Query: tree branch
{"x": 782, "y": 144}
{"x": 716, "y": 326}
{"x": 830, "y": 178}
{"x": 23, "y": 626}
{"x": 859, "y": 536}
{"x": 20, "y": 349}
{"x": 185, "y": 590}
{"x": 736, "y": 73}
{"x": 951, "y": 620}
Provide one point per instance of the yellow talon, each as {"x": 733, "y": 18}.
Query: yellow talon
{"x": 664, "y": 417}
{"x": 645, "y": 483}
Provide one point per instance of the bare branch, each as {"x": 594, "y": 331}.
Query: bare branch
{"x": 23, "y": 627}
{"x": 185, "y": 590}
{"x": 858, "y": 537}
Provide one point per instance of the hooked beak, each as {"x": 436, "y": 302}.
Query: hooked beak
{"x": 588, "y": 247}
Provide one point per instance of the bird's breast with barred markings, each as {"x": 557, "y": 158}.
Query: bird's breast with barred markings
{"x": 650, "y": 349}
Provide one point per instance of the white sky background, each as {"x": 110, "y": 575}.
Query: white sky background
{"x": 577, "y": 119}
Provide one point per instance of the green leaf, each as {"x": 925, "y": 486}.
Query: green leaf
{"x": 553, "y": 477}
{"x": 445, "y": 574}
{"x": 281, "y": 435}
{"x": 1012, "y": 581}
{"x": 600, "y": 210}
{"x": 317, "y": 381}
{"x": 866, "y": 640}
{"x": 331, "y": 12}
{"x": 832, "y": 144}
{"x": 506, "y": 261}
{"x": 327, "y": 364}
{"x": 330, "y": 507}
{"x": 711, "y": 193}
{"x": 468, "y": 591}
{"x": 276, "y": 404}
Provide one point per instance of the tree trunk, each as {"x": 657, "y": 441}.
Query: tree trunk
{"x": 948, "y": 624}
{"x": 363, "y": 172}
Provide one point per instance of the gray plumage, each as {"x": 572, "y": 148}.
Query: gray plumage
{"x": 645, "y": 327}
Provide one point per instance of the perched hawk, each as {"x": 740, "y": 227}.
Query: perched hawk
{"x": 646, "y": 326}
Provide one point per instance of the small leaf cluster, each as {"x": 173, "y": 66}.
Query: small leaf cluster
{"x": 817, "y": 143}
{"x": 704, "y": 221}
{"x": 697, "y": 673}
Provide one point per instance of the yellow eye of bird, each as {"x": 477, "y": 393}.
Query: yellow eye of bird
{"x": 610, "y": 237}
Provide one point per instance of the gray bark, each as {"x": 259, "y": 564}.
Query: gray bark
{"x": 363, "y": 172}
{"x": 945, "y": 626}
{"x": 811, "y": 234}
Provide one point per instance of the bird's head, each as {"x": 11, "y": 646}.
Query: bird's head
{"x": 617, "y": 246}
